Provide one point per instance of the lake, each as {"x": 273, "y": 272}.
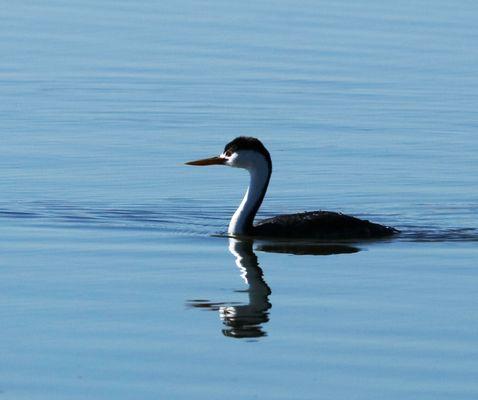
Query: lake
{"x": 116, "y": 278}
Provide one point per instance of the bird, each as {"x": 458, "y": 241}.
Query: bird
{"x": 250, "y": 154}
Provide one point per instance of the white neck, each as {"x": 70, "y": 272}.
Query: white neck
{"x": 241, "y": 221}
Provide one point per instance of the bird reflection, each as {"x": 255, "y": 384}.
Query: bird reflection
{"x": 246, "y": 320}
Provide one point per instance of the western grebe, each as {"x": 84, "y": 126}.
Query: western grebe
{"x": 249, "y": 153}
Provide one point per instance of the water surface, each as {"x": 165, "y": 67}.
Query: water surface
{"x": 115, "y": 280}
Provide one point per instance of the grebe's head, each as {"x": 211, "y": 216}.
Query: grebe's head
{"x": 243, "y": 152}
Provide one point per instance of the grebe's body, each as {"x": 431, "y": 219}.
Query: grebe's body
{"x": 323, "y": 225}
{"x": 250, "y": 154}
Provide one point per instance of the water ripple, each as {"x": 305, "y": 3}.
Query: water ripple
{"x": 171, "y": 217}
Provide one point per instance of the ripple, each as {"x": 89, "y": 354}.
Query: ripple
{"x": 183, "y": 218}
{"x": 436, "y": 234}
{"x": 167, "y": 218}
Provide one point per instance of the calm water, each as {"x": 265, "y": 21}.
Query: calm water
{"x": 113, "y": 281}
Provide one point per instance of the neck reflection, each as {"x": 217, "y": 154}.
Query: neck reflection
{"x": 244, "y": 320}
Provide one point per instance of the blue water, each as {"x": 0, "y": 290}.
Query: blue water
{"x": 115, "y": 281}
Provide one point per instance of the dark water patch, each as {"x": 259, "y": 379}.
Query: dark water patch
{"x": 18, "y": 214}
{"x": 308, "y": 249}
